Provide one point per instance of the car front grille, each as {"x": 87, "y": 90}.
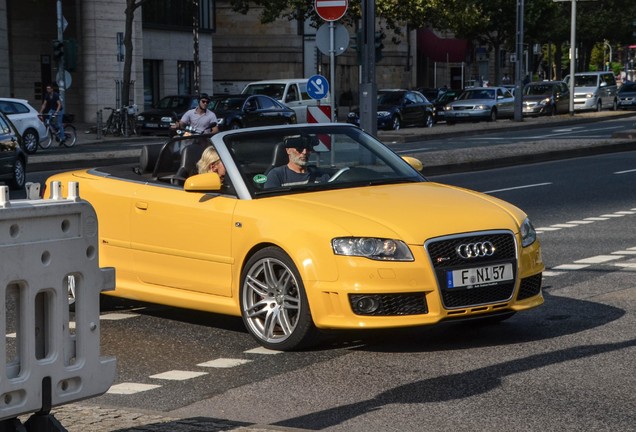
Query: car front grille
{"x": 445, "y": 258}
{"x": 529, "y": 287}
{"x": 391, "y": 304}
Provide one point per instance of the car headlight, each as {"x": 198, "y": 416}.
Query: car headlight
{"x": 372, "y": 248}
{"x": 352, "y": 115}
{"x": 448, "y": 108}
{"x": 482, "y": 107}
{"x": 384, "y": 114}
{"x": 544, "y": 101}
{"x": 140, "y": 118}
{"x": 220, "y": 121}
{"x": 166, "y": 120}
{"x": 528, "y": 233}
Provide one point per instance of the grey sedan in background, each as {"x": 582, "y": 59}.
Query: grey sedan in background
{"x": 481, "y": 103}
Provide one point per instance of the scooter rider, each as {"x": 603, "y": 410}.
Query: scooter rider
{"x": 200, "y": 119}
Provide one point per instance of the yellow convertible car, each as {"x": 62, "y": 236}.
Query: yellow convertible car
{"x": 308, "y": 227}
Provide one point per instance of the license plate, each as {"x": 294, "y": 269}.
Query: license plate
{"x": 462, "y": 114}
{"x": 152, "y": 125}
{"x": 479, "y": 276}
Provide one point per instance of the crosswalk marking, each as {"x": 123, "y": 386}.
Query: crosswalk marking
{"x": 128, "y": 388}
{"x": 570, "y": 266}
{"x": 178, "y": 375}
{"x": 598, "y": 259}
{"x": 224, "y": 363}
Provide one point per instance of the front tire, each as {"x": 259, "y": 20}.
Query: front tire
{"x": 430, "y": 121}
{"x": 19, "y": 175}
{"x": 493, "y": 115}
{"x": 274, "y": 305}
{"x": 70, "y": 136}
{"x": 396, "y": 123}
{"x": 30, "y": 140}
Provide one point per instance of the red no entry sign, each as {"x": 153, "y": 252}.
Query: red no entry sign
{"x": 331, "y": 10}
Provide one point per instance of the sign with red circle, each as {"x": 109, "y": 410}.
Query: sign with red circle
{"x": 331, "y": 10}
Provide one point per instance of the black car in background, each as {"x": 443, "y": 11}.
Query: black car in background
{"x": 441, "y": 101}
{"x": 400, "y": 108}
{"x": 627, "y": 95}
{"x": 13, "y": 159}
{"x": 169, "y": 109}
{"x": 244, "y": 110}
{"x": 546, "y": 98}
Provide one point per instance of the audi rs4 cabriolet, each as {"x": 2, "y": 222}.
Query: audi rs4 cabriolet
{"x": 307, "y": 228}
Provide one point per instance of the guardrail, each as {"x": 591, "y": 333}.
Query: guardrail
{"x": 49, "y": 249}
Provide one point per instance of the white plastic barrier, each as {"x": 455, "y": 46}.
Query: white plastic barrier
{"x": 47, "y": 247}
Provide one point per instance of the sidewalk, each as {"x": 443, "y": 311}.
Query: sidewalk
{"x": 114, "y": 150}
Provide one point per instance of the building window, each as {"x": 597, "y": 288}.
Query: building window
{"x": 178, "y": 14}
{"x": 185, "y": 77}
{"x": 152, "y": 75}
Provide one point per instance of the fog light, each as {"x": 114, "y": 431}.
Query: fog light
{"x": 367, "y": 304}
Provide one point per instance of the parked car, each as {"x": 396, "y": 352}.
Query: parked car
{"x": 431, "y": 93}
{"x": 546, "y": 98}
{"x": 26, "y": 120}
{"x": 169, "y": 109}
{"x": 13, "y": 160}
{"x": 594, "y": 90}
{"x": 481, "y": 103}
{"x": 399, "y": 108}
{"x": 627, "y": 95}
{"x": 375, "y": 246}
{"x": 440, "y": 103}
{"x": 291, "y": 92}
{"x": 241, "y": 111}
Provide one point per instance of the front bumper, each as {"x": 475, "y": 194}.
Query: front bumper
{"x": 414, "y": 293}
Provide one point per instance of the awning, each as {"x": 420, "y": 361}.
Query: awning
{"x": 442, "y": 49}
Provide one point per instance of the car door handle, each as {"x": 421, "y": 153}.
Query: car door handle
{"x": 141, "y": 205}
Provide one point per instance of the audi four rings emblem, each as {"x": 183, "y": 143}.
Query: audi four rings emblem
{"x": 475, "y": 250}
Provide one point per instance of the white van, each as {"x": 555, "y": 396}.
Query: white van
{"x": 291, "y": 92}
{"x": 594, "y": 90}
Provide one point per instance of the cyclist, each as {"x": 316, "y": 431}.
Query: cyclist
{"x": 52, "y": 105}
{"x": 201, "y": 119}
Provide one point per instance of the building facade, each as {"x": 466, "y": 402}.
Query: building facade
{"x": 233, "y": 49}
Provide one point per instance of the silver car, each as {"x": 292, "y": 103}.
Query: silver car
{"x": 25, "y": 119}
{"x": 481, "y": 103}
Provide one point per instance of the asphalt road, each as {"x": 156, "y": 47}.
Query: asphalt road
{"x": 565, "y": 366}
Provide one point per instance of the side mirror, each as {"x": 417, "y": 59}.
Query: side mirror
{"x": 208, "y": 182}
{"x": 414, "y": 162}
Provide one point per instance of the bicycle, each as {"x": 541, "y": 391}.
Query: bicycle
{"x": 121, "y": 121}
{"x": 70, "y": 133}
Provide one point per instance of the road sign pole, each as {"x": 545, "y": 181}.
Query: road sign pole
{"x": 368, "y": 89}
{"x": 332, "y": 69}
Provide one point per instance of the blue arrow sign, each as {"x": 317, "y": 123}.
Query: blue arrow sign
{"x": 317, "y": 87}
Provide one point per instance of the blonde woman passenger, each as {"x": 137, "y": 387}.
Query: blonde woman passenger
{"x": 211, "y": 162}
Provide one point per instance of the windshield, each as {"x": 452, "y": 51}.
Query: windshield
{"x": 272, "y": 90}
{"x": 585, "y": 80}
{"x": 231, "y": 103}
{"x": 628, "y": 87}
{"x": 174, "y": 103}
{"x": 477, "y": 94}
{"x": 537, "y": 90}
{"x": 336, "y": 157}
{"x": 392, "y": 98}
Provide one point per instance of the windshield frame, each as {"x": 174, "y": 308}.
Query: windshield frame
{"x": 233, "y": 148}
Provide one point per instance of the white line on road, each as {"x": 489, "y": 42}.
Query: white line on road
{"x": 518, "y": 187}
{"x": 598, "y": 259}
{"x": 178, "y": 375}
{"x": 625, "y": 172}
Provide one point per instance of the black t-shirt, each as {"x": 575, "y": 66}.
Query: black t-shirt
{"x": 51, "y": 100}
{"x": 283, "y": 176}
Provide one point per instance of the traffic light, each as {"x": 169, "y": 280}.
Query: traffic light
{"x": 58, "y": 49}
{"x": 379, "y": 45}
{"x": 70, "y": 54}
